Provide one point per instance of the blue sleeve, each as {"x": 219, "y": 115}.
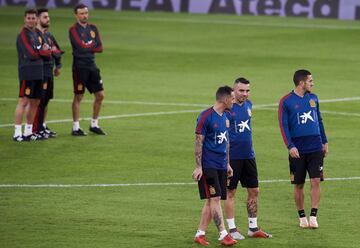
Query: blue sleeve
{"x": 284, "y": 125}
{"x": 321, "y": 125}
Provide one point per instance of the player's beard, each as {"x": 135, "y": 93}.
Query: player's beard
{"x": 84, "y": 20}
{"x": 45, "y": 25}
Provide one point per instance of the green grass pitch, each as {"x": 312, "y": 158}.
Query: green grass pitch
{"x": 159, "y": 71}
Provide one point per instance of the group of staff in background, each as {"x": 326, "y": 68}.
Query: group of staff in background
{"x": 224, "y": 155}
{"x": 39, "y": 60}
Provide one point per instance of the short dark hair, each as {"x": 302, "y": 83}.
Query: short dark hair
{"x": 79, "y": 6}
{"x": 42, "y": 10}
{"x": 241, "y": 80}
{"x": 300, "y": 75}
{"x": 30, "y": 12}
{"x": 223, "y": 91}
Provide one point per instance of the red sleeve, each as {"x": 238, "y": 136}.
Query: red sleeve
{"x": 75, "y": 36}
{"x": 29, "y": 49}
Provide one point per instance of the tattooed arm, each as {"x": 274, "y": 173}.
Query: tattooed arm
{"x": 197, "y": 173}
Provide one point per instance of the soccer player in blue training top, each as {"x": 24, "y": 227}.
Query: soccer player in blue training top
{"x": 212, "y": 166}
{"x": 48, "y": 40}
{"x": 85, "y": 41}
{"x": 31, "y": 74}
{"x": 303, "y": 132}
{"x": 242, "y": 161}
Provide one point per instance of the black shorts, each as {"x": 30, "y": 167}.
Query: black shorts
{"x": 213, "y": 184}
{"x": 87, "y": 77}
{"x": 30, "y": 89}
{"x": 245, "y": 171}
{"x": 48, "y": 88}
{"x": 310, "y": 162}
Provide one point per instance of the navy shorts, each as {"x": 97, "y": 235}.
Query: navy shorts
{"x": 245, "y": 171}
{"x": 87, "y": 78}
{"x": 213, "y": 184}
{"x": 309, "y": 162}
{"x": 30, "y": 88}
{"x": 48, "y": 88}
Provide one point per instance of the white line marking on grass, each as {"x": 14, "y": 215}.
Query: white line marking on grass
{"x": 122, "y": 116}
{"x": 143, "y": 184}
{"x": 345, "y": 99}
{"x": 259, "y": 106}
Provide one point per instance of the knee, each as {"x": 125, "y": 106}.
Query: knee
{"x": 230, "y": 195}
{"x": 78, "y": 98}
{"x": 253, "y": 192}
{"x": 99, "y": 97}
{"x": 299, "y": 186}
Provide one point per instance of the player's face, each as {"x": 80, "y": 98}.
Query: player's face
{"x": 229, "y": 101}
{"x": 242, "y": 92}
{"x": 44, "y": 20}
{"x": 30, "y": 21}
{"x": 82, "y": 15}
{"x": 308, "y": 83}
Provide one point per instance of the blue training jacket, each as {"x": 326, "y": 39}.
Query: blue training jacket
{"x": 300, "y": 122}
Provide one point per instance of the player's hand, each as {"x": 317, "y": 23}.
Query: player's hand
{"x": 229, "y": 171}
{"x": 45, "y": 46}
{"x": 294, "y": 153}
{"x": 197, "y": 173}
{"x": 325, "y": 149}
{"x": 56, "y": 72}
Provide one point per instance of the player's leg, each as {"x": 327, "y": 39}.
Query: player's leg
{"x": 19, "y": 113}
{"x": 249, "y": 180}
{"x": 49, "y": 94}
{"x": 217, "y": 213}
{"x": 20, "y": 110}
{"x": 80, "y": 77}
{"x": 229, "y": 203}
{"x": 40, "y": 112}
{"x": 95, "y": 86}
{"x": 34, "y": 90}
{"x": 315, "y": 164}
{"x": 298, "y": 174}
{"x": 205, "y": 217}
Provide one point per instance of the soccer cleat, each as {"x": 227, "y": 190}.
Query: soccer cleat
{"x": 50, "y": 133}
{"x": 78, "y": 132}
{"x": 18, "y": 138}
{"x": 32, "y": 137}
{"x": 235, "y": 234}
{"x": 313, "y": 222}
{"x": 259, "y": 234}
{"x": 43, "y": 134}
{"x": 201, "y": 240}
{"x": 228, "y": 241}
{"x": 97, "y": 130}
{"x": 303, "y": 222}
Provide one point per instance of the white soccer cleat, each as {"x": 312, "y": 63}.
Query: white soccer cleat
{"x": 237, "y": 235}
{"x": 313, "y": 222}
{"x": 303, "y": 222}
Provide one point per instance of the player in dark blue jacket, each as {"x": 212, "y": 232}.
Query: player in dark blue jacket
{"x": 303, "y": 132}
{"x": 212, "y": 164}
{"x": 47, "y": 93}
{"x": 30, "y": 67}
{"x": 85, "y": 42}
{"x": 242, "y": 161}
